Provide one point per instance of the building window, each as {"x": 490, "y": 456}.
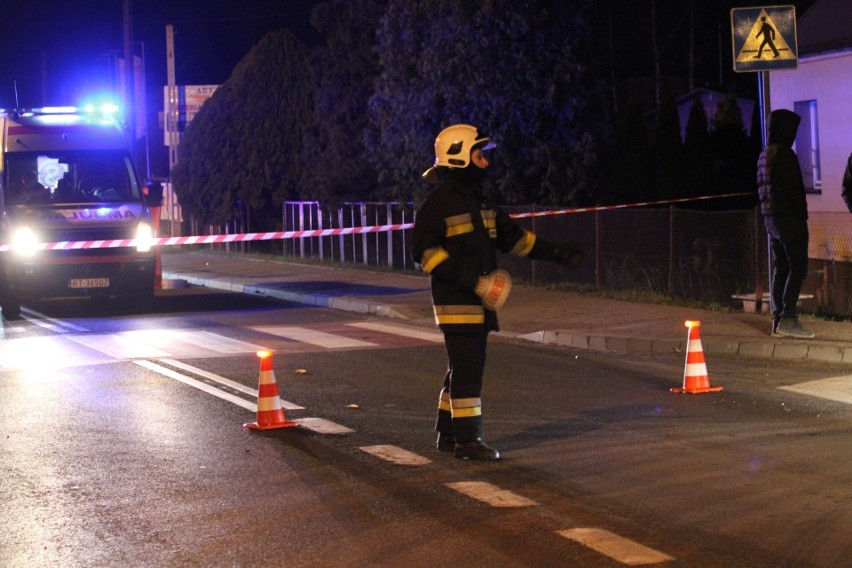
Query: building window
{"x": 807, "y": 145}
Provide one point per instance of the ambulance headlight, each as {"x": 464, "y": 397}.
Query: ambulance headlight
{"x": 24, "y": 242}
{"x": 144, "y": 237}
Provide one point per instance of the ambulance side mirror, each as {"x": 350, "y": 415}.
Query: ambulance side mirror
{"x": 153, "y": 193}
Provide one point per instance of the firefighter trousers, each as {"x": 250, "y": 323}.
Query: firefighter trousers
{"x": 460, "y": 404}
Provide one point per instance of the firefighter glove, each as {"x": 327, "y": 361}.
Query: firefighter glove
{"x": 494, "y": 288}
{"x": 568, "y": 254}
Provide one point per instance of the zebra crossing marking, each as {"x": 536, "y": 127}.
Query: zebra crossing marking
{"x": 838, "y": 389}
{"x": 323, "y": 426}
{"x": 46, "y": 352}
{"x": 403, "y": 331}
{"x": 614, "y": 546}
{"x": 119, "y": 346}
{"x": 396, "y": 455}
{"x": 490, "y": 494}
{"x": 49, "y": 323}
{"x": 312, "y": 336}
{"x": 100, "y": 348}
{"x": 198, "y": 338}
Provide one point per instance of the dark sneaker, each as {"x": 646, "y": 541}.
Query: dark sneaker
{"x": 476, "y": 450}
{"x": 446, "y": 443}
{"x": 775, "y": 323}
{"x": 792, "y": 328}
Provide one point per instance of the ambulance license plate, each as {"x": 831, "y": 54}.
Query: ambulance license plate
{"x": 89, "y": 283}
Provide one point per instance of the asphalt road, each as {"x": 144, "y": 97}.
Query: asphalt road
{"x": 117, "y": 450}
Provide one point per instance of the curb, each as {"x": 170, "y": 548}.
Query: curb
{"x": 563, "y": 338}
{"x": 318, "y": 300}
{"x": 753, "y": 349}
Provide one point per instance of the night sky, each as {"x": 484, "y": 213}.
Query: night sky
{"x": 59, "y": 52}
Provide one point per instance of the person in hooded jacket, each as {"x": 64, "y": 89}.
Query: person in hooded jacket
{"x": 784, "y": 206}
{"x": 457, "y": 234}
{"x": 846, "y": 192}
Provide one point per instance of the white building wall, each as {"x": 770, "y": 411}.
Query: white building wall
{"x": 827, "y": 79}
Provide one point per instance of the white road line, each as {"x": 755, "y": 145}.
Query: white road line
{"x": 318, "y": 425}
{"x": 433, "y": 336}
{"x": 838, "y": 389}
{"x": 323, "y": 426}
{"x": 396, "y": 455}
{"x": 216, "y": 342}
{"x": 58, "y": 326}
{"x": 224, "y": 381}
{"x": 42, "y": 353}
{"x": 209, "y": 389}
{"x": 616, "y": 547}
{"x": 305, "y": 335}
{"x": 490, "y": 494}
{"x": 4, "y": 329}
{"x": 118, "y": 346}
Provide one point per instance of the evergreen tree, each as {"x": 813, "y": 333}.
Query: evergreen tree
{"x": 509, "y": 67}
{"x": 333, "y": 151}
{"x": 755, "y": 137}
{"x": 735, "y": 161}
{"x": 699, "y": 159}
{"x": 668, "y": 152}
{"x": 627, "y": 176}
{"x": 245, "y": 141}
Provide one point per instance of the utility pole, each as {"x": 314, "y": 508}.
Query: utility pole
{"x": 171, "y": 122}
{"x": 129, "y": 82}
{"x": 172, "y": 110}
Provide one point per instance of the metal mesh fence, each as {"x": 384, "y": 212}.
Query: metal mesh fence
{"x": 708, "y": 256}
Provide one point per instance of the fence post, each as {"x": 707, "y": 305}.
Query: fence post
{"x": 671, "y": 286}
{"x": 341, "y": 241}
{"x": 320, "y": 227}
{"x": 404, "y": 241}
{"x": 390, "y": 235}
{"x": 758, "y": 284}
{"x": 598, "y": 276}
{"x": 364, "y": 250}
{"x": 284, "y": 225}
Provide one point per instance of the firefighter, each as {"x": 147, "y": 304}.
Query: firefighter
{"x": 457, "y": 234}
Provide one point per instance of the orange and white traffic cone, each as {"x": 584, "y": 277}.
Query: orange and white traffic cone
{"x": 695, "y": 379}
{"x": 270, "y": 412}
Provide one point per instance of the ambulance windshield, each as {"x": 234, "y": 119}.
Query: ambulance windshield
{"x": 73, "y": 177}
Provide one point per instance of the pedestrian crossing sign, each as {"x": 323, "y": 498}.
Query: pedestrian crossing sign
{"x": 764, "y": 38}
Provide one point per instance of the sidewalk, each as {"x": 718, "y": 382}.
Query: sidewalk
{"x": 545, "y": 316}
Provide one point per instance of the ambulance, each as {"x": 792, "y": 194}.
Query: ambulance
{"x": 67, "y": 187}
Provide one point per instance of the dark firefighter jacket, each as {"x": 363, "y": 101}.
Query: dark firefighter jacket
{"x": 457, "y": 234}
{"x": 779, "y": 176}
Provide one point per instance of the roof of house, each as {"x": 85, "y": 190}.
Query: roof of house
{"x": 825, "y": 26}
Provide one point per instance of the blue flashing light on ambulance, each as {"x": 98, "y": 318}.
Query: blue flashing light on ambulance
{"x": 66, "y": 174}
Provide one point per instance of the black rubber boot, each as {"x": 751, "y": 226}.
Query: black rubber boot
{"x": 476, "y": 450}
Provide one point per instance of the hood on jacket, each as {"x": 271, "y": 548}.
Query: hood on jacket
{"x": 783, "y": 125}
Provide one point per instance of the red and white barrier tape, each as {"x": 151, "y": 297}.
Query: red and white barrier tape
{"x": 215, "y": 239}
{"x": 624, "y": 206}
{"x": 281, "y": 235}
